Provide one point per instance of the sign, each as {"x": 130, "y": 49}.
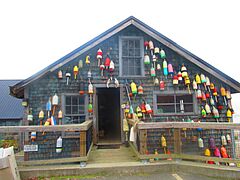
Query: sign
{"x": 30, "y": 148}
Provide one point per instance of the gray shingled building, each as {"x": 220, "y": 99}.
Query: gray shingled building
{"x": 11, "y": 110}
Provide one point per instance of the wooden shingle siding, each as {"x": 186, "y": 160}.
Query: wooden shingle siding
{"x": 45, "y": 87}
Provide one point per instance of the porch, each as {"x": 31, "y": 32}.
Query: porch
{"x": 122, "y": 159}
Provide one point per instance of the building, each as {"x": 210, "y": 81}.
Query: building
{"x": 102, "y": 79}
{"x": 11, "y": 109}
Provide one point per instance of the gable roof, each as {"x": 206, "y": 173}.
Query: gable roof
{"x": 10, "y": 107}
{"x": 17, "y": 90}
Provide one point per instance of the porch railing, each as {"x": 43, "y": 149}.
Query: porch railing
{"x": 182, "y": 140}
{"x": 76, "y": 139}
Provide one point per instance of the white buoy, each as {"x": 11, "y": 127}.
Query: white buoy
{"x": 59, "y": 145}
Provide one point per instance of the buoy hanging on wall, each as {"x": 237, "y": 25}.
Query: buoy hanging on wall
{"x": 162, "y": 54}
{"x": 87, "y": 60}
{"x": 165, "y": 68}
{"x": 184, "y": 71}
{"x": 107, "y": 62}
{"x": 146, "y": 59}
{"x": 140, "y": 90}
{"x": 151, "y": 47}
{"x": 80, "y": 64}
{"x": 75, "y": 72}
{"x": 81, "y": 87}
{"x": 99, "y": 56}
{"x": 60, "y": 75}
{"x": 33, "y": 136}
{"x": 68, "y": 76}
{"x": 133, "y": 88}
{"x": 59, "y": 145}
{"x": 54, "y": 102}
{"x": 170, "y": 69}
{"x": 162, "y": 85}
{"x": 146, "y": 45}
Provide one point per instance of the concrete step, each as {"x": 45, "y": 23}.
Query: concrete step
{"x": 123, "y": 154}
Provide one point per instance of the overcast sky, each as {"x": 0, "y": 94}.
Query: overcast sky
{"x": 34, "y": 34}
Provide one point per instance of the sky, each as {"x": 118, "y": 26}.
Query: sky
{"x": 34, "y": 34}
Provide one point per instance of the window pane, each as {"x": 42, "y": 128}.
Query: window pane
{"x": 74, "y": 100}
{"x": 188, "y": 107}
{"x": 125, "y": 62}
{"x": 131, "y": 70}
{"x": 131, "y": 52}
{"x": 137, "y": 52}
{"x": 81, "y": 100}
{"x": 137, "y": 71}
{"x": 125, "y": 44}
{"x": 137, "y": 62}
{"x": 74, "y": 109}
{"x": 137, "y": 44}
{"x": 165, "y": 99}
{"x": 75, "y": 119}
{"x": 186, "y": 98}
{"x": 125, "y": 52}
{"x": 68, "y": 109}
{"x": 165, "y": 109}
{"x": 81, "y": 109}
{"x": 67, "y": 120}
{"x": 131, "y": 44}
{"x": 131, "y": 62}
{"x": 68, "y": 100}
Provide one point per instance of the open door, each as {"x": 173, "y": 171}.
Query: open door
{"x": 109, "y": 124}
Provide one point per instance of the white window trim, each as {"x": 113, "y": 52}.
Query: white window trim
{"x": 120, "y": 55}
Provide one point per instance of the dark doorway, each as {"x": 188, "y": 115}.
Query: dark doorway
{"x": 109, "y": 126}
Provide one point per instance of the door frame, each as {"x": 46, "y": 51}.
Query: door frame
{"x": 95, "y": 113}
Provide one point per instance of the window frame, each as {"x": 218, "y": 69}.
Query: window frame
{"x": 175, "y": 94}
{"x": 64, "y": 105}
{"x": 121, "y": 38}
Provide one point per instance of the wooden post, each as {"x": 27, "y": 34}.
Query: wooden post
{"x": 26, "y": 123}
{"x": 83, "y": 147}
{"x": 177, "y": 141}
{"x": 143, "y": 141}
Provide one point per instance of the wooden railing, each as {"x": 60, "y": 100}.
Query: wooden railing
{"x": 69, "y": 127}
{"x": 177, "y": 128}
{"x": 83, "y": 130}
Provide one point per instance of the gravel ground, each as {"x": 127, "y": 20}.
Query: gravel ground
{"x": 145, "y": 176}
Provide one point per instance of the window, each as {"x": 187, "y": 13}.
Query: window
{"x": 74, "y": 109}
{"x": 131, "y": 56}
{"x": 171, "y": 103}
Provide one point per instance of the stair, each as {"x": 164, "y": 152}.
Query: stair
{"x": 108, "y": 146}
{"x": 110, "y": 153}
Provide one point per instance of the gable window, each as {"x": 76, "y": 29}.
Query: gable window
{"x": 174, "y": 103}
{"x": 74, "y": 109}
{"x": 131, "y": 56}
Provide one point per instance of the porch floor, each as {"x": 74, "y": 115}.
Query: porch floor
{"x": 122, "y": 154}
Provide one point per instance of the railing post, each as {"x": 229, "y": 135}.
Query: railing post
{"x": 143, "y": 141}
{"x": 177, "y": 141}
{"x": 83, "y": 147}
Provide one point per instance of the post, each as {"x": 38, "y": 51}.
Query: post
{"x": 143, "y": 141}
{"x": 177, "y": 141}
{"x": 26, "y": 123}
{"x": 83, "y": 147}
